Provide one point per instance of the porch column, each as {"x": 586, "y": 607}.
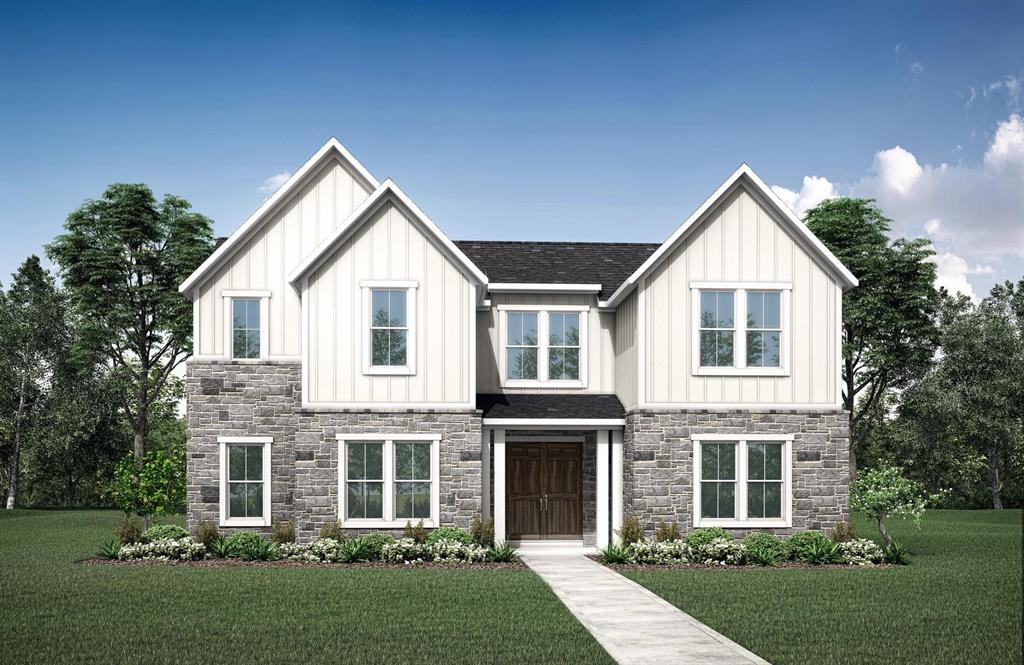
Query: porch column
{"x": 499, "y": 485}
{"x": 485, "y": 474}
{"x": 603, "y": 437}
{"x": 617, "y": 480}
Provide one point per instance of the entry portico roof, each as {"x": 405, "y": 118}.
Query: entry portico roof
{"x": 507, "y": 409}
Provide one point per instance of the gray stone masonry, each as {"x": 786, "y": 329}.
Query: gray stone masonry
{"x": 226, "y": 398}
{"x": 659, "y": 463}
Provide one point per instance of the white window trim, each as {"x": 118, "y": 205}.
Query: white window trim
{"x": 740, "y": 289}
{"x": 542, "y": 380}
{"x": 229, "y": 317}
{"x": 741, "y": 520}
{"x": 411, "y": 289}
{"x": 223, "y": 442}
{"x": 388, "y": 520}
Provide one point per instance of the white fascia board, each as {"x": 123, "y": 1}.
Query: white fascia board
{"x": 332, "y": 146}
{"x": 386, "y": 189}
{"x": 512, "y": 287}
{"x": 847, "y": 279}
{"x": 596, "y": 423}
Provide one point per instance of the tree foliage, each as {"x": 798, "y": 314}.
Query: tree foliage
{"x": 121, "y": 258}
{"x": 885, "y": 492}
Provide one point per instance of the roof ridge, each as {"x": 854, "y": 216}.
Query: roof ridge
{"x": 560, "y": 242}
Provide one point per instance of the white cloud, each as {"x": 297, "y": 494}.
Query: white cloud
{"x": 274, "y": 182}
{"x": 1007, "y": 148}
{"x": 933, "y": 226}
{"x": 813, "y": 191}
{"x": 898, "y": 169}
{"x": 952, "y": 272}
{"x": 916, "y": 68}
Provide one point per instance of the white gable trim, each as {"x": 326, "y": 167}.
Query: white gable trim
{"x": 846, "y": 278}
{"x": 388, "y": 190}
{"x": 332, "y": 147}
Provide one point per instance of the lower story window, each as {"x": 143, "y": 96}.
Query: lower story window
{"x": 245, "y": 481}
{"x": 389, "y": 479}
{"x": 742, "y": 481}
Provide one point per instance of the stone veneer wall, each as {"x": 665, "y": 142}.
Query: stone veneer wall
{"x": 659, "y": 463}
{"x": 264, "y": 399}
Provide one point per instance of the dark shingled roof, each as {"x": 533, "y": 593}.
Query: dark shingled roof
{"x": 606, "y": 263}
{"x": 576, "y": 405}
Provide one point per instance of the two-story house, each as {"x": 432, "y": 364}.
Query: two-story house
{"x": 353, "y": 363}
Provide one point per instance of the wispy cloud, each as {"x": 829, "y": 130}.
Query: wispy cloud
{"x": 274, "y": 182}
{"x": 1011, "y": 85}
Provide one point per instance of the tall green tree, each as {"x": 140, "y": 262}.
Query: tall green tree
{"x": 33, "y": 335}
{"x": 121, "y": 258}
{"x": 889, "y": 332}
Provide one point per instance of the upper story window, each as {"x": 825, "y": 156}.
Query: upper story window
{"x": 740, "y": 328}
{"x": 389, "y": 327}
{"x": 387, "y": 480}
{"x": 246, "y": 315}
{"x": 742, "y": 481}
{"x": 543, "y": 346}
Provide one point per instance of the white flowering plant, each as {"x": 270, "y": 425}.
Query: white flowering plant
{"x": 885, "y": 492}
{"x": 164, "y": 549}
{"x": 721, "y": 552}
{"x": 407, "y": 550}
{"x": 860, "y": 552}
{"x": 661, "y": 553}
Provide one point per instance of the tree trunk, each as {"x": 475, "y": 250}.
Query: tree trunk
{"x": 139, "y": 426}
{"x": 882, "y": 530}
{"x": 12, "y": 489}
{"x": 993, "y": 478}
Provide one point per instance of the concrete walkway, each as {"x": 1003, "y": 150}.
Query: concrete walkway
{"x": 633, "y": 624}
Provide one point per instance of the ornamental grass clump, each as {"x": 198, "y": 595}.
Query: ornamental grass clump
{"x": 483, "y": 531}
{"x": 282, "y": 532}
{"x": 666, "y": 531}
{"x": 800, "y": 544}
{"x": 614, "y": 554}
{"x": 180, "y": 549}
{"x": 501, "y": 553}
{"x": 631, "y": 532}
{"x": 207, "y": 533}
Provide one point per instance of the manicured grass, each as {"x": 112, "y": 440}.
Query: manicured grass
{"x": 958, "y": 602}
{"x": 55, "y": 610}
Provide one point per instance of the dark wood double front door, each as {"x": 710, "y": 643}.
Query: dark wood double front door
{"x": 544, "y": 491}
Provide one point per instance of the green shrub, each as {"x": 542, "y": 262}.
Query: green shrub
{"x": 207, "y": 533}
{"x": 842, "y": 532}
{"x": 222, "y": 548}
{"x": 128, "y": 530}
{"x": 720, "y": 551}
{"x": 417, "y": 533}
{"x": 821, "y": 551}
{"x": 613, "y": 553}
{"x": 164, "y": 532}
{"x": 109, "y": 550}
{"x": 799, "y": 542}
{"x": 450, "y": 533}
{"x": 374, "y": 544}
{"x": 181, "y": 549}
{"x": 699, "y": 538}
{"x": 354, "y": 550}
{"x": 631, "y": 532}
{"x": 764, "y": 549}
{"x": 483, "y": 531}
{"x": 251, "y": 546}
{"x": 282, "y": 532}
{"x": 666, "y": 531}
{"x": 896, "y": 554}
{"x": 501, "y": 553}
{"x": 332, "y": 530}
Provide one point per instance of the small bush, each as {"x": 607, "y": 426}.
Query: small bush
{"x": 109, "y": 550}
{"x": 764, "y": 549}
{"x": 354, "y": 550}
{"x": 896, "y": 554}
{"x": 800, "y": 542}
{"x": 182, "y": 549}
{"x": 408, "y": 550}
{"x": 842, "y": 532}
{"x": 698, "y": 538}
{"x": 821, "y": 551}
{"x": 665, "y": 552}
{"x": 501, "y": 553}
{"x": 332, "y": 530}
{"x": 207, "y": 533}
{"x": 374, "y": 544}
{"x": 223, "y": 548}
{"x": 666, "y": 531}
{"x": 417, "y": 533}
{"x": 450, "y": 533}
{"x": 164, "y": 532}
{"x": 860, "y": 552}
{"x": 721, "y": 551}
{"x": 251, "y": 546}
{"x": 129, "y": 530}
{"x": 483, "y": 531}
{"x": 631, "y": 532}
{"x": 282, "y": 532}
{"x": 613, "y": 553}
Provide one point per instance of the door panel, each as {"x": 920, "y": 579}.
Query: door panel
{"x": 544, "y": 490}
{"x": 524, "y": 490}
{"x": 562, "y": 484}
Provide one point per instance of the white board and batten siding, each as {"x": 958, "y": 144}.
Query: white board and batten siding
{"x": 740, "y": 242}
{"x": 599, "y": 351}
{"x": 389, "y": 246}
{"x": 263, "y": 262}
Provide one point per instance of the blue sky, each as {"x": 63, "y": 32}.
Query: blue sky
{"x": 551, "y": 121}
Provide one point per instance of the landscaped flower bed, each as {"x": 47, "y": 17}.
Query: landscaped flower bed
{"x": 716, "y": 547}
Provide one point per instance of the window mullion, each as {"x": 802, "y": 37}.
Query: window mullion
{"x": 740, "y": 324}
{"x": 542, "y": 345}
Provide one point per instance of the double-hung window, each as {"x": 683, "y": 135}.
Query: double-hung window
{"x": 389, "y": 327}
{"x": 244, "y": 480}
{"x": 742, "y": 481}
{"x": 543, "y": 346}
{"x": 740, "y": 328}
{"x": 386, "y": 480}
{"x": 245, "y": 313}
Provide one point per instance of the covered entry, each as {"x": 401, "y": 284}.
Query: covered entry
{"x": 553, "y": 467}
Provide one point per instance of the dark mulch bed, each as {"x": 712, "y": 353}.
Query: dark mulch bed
{"x": 634, "y": 567}
{"x": 215, "y": 563}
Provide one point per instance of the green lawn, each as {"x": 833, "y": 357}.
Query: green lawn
{"x": 54, "y": 610}
{"x": 958, "y": 602}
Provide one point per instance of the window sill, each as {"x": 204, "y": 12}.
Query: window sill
{"x": 745, "y": 524}
{"x": 244, "y": 521}
{"x": 741, "y": 371}
{"x": 533, "y": 383}
{"x": 384, "y": 524}
{"x": 388, "y": 371}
